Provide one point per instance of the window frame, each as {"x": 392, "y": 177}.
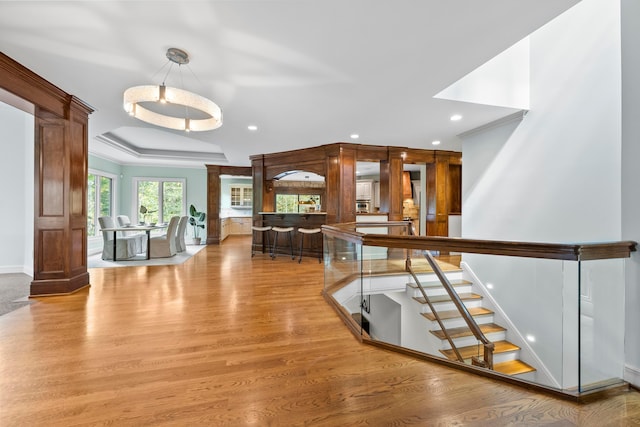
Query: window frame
{"x": 135, "y": 202}
{"x": 114, "y": 199}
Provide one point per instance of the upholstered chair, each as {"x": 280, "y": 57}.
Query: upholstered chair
{"x": 140, "y": 238}
{"x": 182, "y": 228}
{"x": 165, "y": 246}
{"x": 125, "y": 245}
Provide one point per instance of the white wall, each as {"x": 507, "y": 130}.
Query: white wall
{"x": 16, "y": 187}
{"x": 630, "y": 12}
{"x": 555, "y": 176}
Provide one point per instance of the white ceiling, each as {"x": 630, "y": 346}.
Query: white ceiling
{"x": 306, "y": 72}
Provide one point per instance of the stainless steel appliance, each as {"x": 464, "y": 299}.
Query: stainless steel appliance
{"x": 363, "y": 206}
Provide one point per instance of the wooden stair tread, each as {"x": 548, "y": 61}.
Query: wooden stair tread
{"x": 465, "y": 296}
{"x": 473, "y": 350}
{"x": 463, "y": 331}
{"x": 452, "y": 314}
{"x": 513, "y": 367}
{"x": 437, "y": 284}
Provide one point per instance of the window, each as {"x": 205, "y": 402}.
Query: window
{"x": 162, "y": 198}
{"x": 100, "y": 197}
{"x": 296, "y": 202}
{"x": 241, "y": 196}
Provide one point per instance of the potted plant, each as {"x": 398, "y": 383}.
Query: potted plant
{"x": 143, "y": 213}
{"x": 196, "y": 219}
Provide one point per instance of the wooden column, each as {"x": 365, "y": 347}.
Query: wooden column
{"x": 438, "y": 195}
{"x": 213, "y": 197}
{"x": 60, "y": 208}
{"x": 393, "y": 181}
{"x": 340, "y": 182}
{"x": 60, "y": 180}
{"x": 213, "y": 205}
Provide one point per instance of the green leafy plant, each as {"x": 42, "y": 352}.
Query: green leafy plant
{"x": 196, "y": 219}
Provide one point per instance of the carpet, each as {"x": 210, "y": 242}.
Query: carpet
{"x": 14, "y": 291}
{"x": 96, "y": 261}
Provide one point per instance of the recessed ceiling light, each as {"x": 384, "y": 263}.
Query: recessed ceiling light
{"x": 252, "y": 128}
{"x": 355, "y": 136}
{"x": 456, "y": 117}
{"x": 435, "y": 143}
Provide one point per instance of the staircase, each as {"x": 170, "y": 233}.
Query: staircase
{"x": 505, "y": 355}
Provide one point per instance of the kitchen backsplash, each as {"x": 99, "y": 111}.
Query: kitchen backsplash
{"x": 229, "y": 212}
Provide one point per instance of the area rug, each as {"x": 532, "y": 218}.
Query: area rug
{"x": 14, "y": 291}
{"x": 96, "y": 261}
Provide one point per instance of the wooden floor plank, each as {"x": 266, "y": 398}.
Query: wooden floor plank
{"x": 227, "y": 340}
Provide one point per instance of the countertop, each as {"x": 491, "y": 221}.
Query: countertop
{"x": 292, "y": 213}
{"x": 372, "y": 213}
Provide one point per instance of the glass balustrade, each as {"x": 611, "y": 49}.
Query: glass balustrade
{"x": 545, "y": 314}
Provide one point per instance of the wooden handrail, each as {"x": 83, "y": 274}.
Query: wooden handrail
{"x": 559, "y": 251}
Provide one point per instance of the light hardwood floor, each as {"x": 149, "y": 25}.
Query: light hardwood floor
{"x": 227, "y": 340}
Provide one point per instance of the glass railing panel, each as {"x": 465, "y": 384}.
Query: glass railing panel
{"x": 341, "y": 261}
{"x": 528, "y": 298}
{"x": 602, "y": 312}
{"x": 553, "y": 322}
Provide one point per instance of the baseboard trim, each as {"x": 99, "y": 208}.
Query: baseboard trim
{"x": 12, "y": 269}
{"x": 632, "y": 376}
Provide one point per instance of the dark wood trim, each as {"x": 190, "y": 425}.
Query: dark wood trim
{"x": 567, "y": 252}
{"x": 60, "y": 180}
{"x": 336, "y": 162}
{"x": 214, "y": 194}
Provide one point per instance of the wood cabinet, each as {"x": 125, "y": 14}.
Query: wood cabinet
{"x": 376, "y": 194}
{"x": 224, "y": 228}
{"x": 239, "y": 225}
{"x": 407, "y": 193}
{"x": 364, "y": 190}
{"x": 234, "y": 226}
{"x": 241, "y": 196}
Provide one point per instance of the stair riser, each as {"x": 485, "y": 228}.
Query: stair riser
{"x": 445, "y": 306}
{"x": 459, "y": 321}
{"x": 471, "y": 340}
{"x": 439, "y": 291}
{"x": 432, "y": 277}
{"x": 506, "y": 356}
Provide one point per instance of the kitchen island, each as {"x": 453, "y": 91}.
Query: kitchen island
{"x": 312, "y": 244}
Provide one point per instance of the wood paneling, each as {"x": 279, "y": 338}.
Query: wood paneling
{"x": 213, "y": 197}
{"x": 336, "y": 162}
{"x": 455, "y": 189}
{"x": 50, "y": 137}
{"x": 407, "y": 192}
{"x": 395, "y": 167}
{"x": 61, "y": 147}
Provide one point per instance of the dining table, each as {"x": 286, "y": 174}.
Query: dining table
{"x": 148, "y": 228}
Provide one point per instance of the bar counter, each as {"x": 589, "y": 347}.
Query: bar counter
{"x": 312, "y": 243}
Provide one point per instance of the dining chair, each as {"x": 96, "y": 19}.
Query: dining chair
{"x": 140, "y": 238}
{"x": 165, "y": 246}
{"x": 182, "y": 228}
{"x": 125, "y": 245}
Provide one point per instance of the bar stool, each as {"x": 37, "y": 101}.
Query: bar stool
{"x": 265, "y": 231}
{"x": 279, "y": 230}
{"x": 310, "y": 232}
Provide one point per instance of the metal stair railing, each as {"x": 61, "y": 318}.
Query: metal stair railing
{"x": 488, "y": 346}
